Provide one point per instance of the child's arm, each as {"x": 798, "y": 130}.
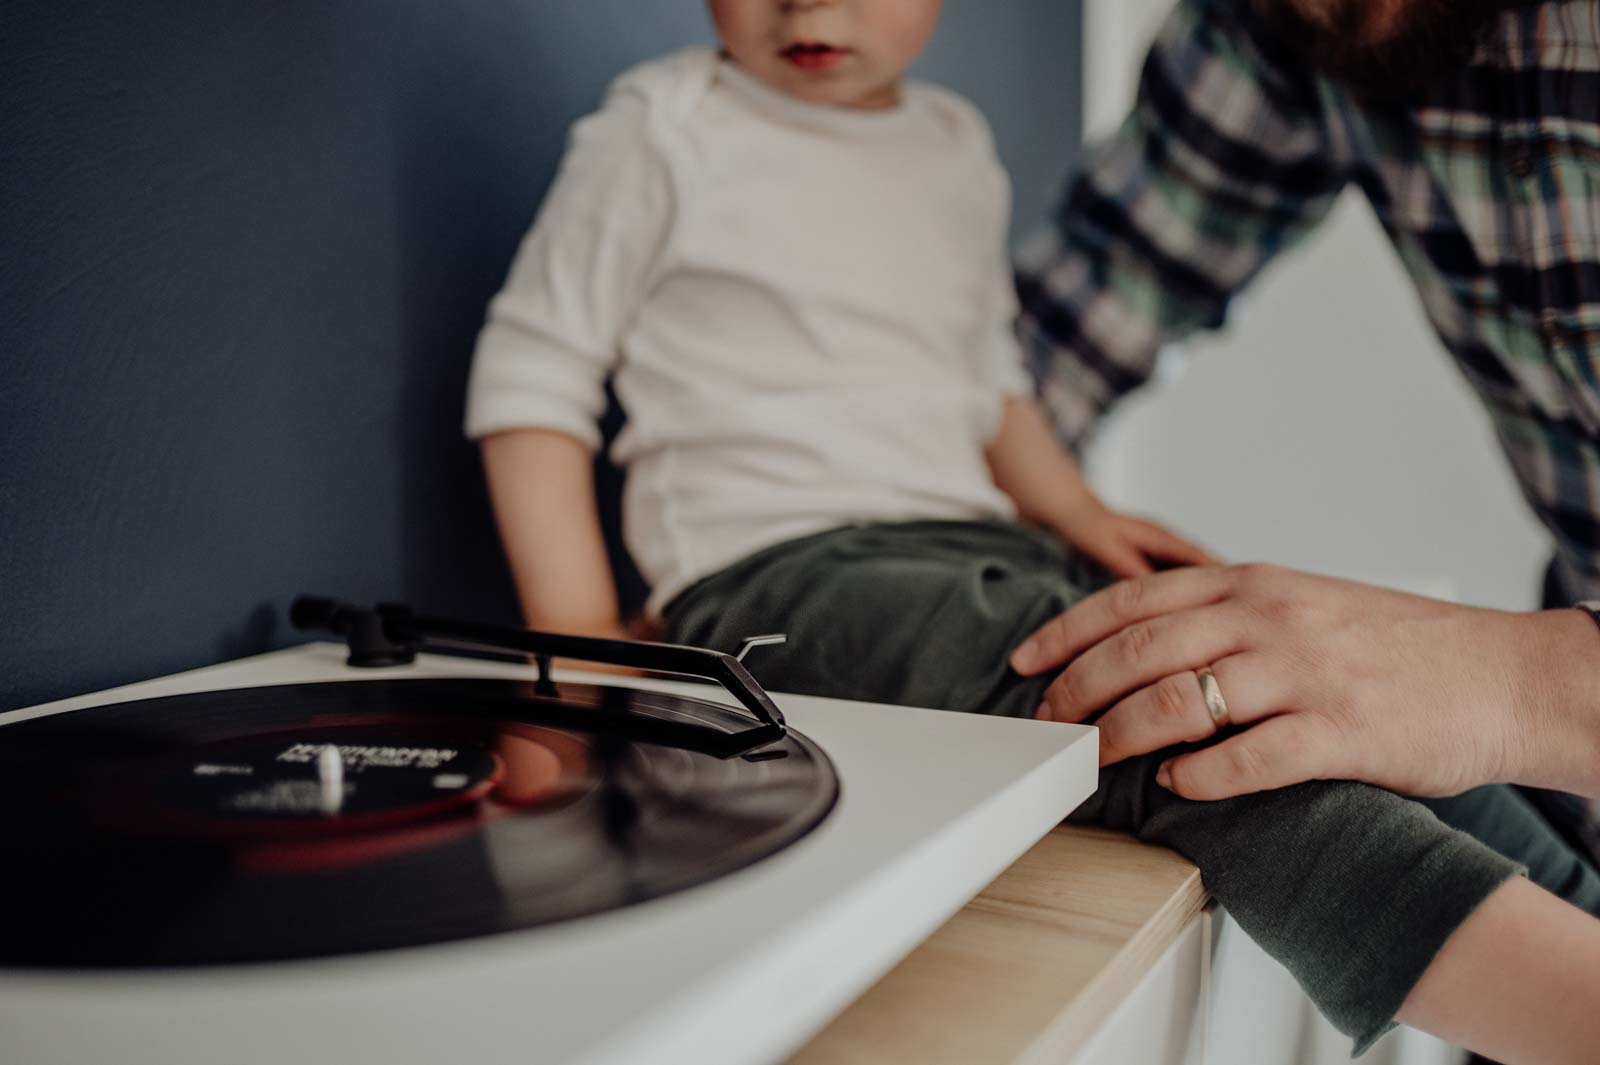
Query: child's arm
{"x": 541, "y": 483}
{"x": 1030, "y": 466}
{"x": 553, "y": 335}
{"x": 1025, "y": 458}
{"x": 1516, "y": 981}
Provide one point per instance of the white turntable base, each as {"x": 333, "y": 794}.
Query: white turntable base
{"x": 742, "y": 970}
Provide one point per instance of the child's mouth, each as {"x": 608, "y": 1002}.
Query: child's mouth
{"x": 813, "y": 55}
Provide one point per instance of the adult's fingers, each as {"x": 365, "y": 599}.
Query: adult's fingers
{"x": 1173, "y": 710}
{"x": 1142, "y": 654}
{"x": 1274, "y": 753}
{"x": 1115, "y": 608}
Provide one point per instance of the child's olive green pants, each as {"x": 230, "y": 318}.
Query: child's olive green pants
{"x": 1351, "y": 887}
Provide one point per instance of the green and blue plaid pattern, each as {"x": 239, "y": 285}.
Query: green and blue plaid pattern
{"x": 1488, "y": 185}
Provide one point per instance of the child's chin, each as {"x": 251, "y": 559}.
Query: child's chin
{"x": 833, "y": 92}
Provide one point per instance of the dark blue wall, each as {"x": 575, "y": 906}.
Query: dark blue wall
{"x": 244, "y": 250}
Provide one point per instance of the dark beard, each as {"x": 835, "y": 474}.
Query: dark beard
{"x": 1435, "y": 39}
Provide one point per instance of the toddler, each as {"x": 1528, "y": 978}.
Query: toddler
{"x": 790, "y": 261}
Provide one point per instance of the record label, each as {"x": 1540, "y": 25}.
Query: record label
{"x": 334, "y": 779}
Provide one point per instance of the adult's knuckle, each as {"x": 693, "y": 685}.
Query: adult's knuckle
{"x": 1286, "y": 612}
{"x": 1125, "y": 598}
{"x": 1171, "y": 698}
{"x": 1136, "y": 640}
{"x": 1244, "y": 764}
{"x": 1313, "y": 673}
{"x": 1252, "y": 576}
{"x": 1112, "y": 734}
{"x": 1071, "y": 691}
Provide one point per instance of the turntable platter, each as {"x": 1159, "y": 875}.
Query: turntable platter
{"x": 317, "y": 819}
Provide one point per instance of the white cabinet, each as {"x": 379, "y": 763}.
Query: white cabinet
{"x": 1163, "y": 1021}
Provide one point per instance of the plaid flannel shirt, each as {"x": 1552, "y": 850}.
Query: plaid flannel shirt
{"x": 1487, "y": 184}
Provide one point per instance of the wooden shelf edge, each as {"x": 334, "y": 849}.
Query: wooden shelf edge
{"x": 1029, "y": 969}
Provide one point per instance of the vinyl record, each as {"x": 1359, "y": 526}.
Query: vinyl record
{"x": 318, "y": 819}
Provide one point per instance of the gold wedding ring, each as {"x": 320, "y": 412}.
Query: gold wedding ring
{"x": 1212, "y": 692}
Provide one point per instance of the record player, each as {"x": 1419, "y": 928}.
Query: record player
{"x": 356, "y": 851}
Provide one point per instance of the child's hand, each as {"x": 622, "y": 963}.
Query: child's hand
{"x": 1125, "y": 545}
{"x": 1029, "y": 465}
{"x": 643, "y": 627}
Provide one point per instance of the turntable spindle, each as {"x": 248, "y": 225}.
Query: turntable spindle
{"x": 330, "y": 774}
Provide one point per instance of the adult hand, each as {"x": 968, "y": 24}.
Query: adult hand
{"x": 1328, "y": 679}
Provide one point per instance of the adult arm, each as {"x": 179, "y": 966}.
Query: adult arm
{"x": 1225, "y": 160}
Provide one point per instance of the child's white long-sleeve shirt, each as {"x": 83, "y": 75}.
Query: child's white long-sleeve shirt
{"x": 807, "y": 311}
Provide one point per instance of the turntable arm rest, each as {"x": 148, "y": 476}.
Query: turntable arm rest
{"x": 1036, "y": 967}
